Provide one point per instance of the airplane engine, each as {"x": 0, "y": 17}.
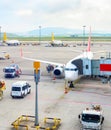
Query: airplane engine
{"x": 58, "y": 72}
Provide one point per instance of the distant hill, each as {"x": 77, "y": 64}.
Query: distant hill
{"x": 10, "y": 35}
{"x": 58, "y": 31}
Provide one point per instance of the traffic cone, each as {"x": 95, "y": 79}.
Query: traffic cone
{"x": 66, "y": 90}
{"x": 12, "y": 61}
{"x": 54, "y": 78}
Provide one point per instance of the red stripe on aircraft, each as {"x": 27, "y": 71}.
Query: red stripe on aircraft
{"x": 105, "y": 67}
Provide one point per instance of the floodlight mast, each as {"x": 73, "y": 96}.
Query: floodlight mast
{"x": 84, "y": 35}
{"x": 39, "y": 34}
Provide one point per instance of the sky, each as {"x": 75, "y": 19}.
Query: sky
{"x": 27, "y": 15}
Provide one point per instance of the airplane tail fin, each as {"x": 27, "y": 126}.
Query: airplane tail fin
{"x": 89, "y": 42}
{"x": 52, "y": 36}
{"x": 4, "y": 37}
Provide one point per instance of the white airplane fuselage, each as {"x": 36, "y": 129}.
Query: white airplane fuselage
{"x": 71, "y": 72}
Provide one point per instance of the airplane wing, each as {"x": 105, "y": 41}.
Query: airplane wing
{"x": 38, "y": 60}
{"x": 99, "y": 52}
{"x": 43, "y": 61}
{"x": 77, "y": 51}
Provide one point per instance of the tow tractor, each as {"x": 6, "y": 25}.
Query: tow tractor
{"x": 4, "y": 55}
{"x": 2, "y": 88}
{"x": 91, "y": 118}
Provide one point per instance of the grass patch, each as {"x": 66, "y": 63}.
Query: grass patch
{"x": 95, "y": 39}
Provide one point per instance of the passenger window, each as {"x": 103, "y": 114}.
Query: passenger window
{"x": 23, "y": 88}
{"x": 28, "y": 85}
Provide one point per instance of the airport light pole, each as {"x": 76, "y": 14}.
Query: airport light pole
{"x": 39, "y": 34}
{"x": 36, "y": 66}
{"x": 84, "y": 35}
{"x": 37, "y": 75}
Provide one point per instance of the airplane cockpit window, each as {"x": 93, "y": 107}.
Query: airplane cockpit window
{"x": 71, "y": 69}
{"x": 76, "y": 69}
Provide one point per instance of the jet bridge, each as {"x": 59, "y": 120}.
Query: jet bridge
{"x": 79, "y": 64}
{"x": 91, "y": 67}
{"x": 98, "y": 68}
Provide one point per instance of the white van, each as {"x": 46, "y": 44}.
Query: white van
{"x": 20, "y": 89}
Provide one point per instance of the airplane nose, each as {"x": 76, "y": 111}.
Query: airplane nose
{"x": 71, "y": 76}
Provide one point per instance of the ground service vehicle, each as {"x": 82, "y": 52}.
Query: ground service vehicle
{"x": 91, "y": 118}
{"x": 2, "y": 88}
{"x": 12, "y": 71}
{"x": 4, "y": 55}
{"x": 20, "y": 89}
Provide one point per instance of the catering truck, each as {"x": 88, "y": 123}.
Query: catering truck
{"x": 12, "y": 70}
{"x": 91, "y": 118}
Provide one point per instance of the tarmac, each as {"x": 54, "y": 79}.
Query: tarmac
{"x": 52, "y": 100}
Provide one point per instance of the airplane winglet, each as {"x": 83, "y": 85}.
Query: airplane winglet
{"x": 89, "y": 42}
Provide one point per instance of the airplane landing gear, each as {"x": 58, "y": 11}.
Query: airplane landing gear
{"x": 68, "y": 86}
{"x": 71, "y": 85}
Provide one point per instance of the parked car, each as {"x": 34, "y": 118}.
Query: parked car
{"x": 20, "y": 89}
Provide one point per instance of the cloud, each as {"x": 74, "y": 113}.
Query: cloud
{"x": 57, "y": 6}
{"x": 24, "y": 12}
{"x": 65, "y": 13}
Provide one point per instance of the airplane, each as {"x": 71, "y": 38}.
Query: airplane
{"x": 10, "y": 42}
{"x": 71, "y": 70}
{"x": 56, "y": 42}
{"x": 13, "y": 42}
